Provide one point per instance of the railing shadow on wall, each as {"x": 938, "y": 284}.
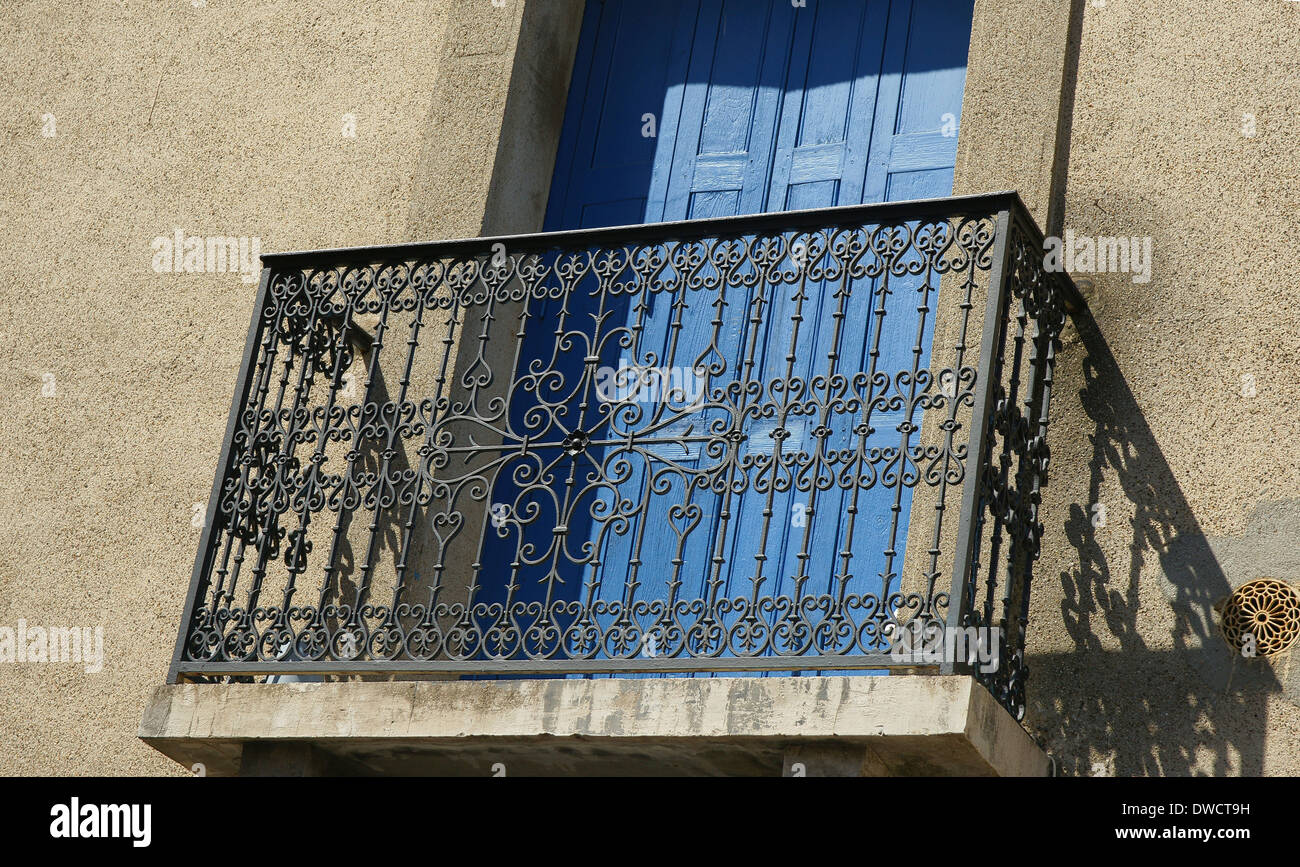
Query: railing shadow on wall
{"x": 1142, "y": 711}
{"x": 1148, "y": 711}
{"x": 423, "y": 476}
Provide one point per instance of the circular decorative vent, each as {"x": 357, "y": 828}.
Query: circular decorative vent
{"x": 1262, "y": 615}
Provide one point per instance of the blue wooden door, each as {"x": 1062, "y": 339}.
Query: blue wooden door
{"x": 706, "y": 108}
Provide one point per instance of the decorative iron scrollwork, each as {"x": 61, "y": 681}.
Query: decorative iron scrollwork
{"x": 425, "y": 473}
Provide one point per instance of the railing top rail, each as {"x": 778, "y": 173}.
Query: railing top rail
{"x": 981, "y": 203}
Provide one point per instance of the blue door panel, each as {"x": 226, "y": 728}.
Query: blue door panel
{"x": 830, "y": 102}
{"x": 625, "y": 68}
{"x": 757, "y": 106}
{"x": 724, "y": 137}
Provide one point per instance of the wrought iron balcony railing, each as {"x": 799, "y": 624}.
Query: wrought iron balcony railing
{"x": 773, "y": 443}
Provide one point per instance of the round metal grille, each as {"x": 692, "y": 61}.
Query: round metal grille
{"x": 1263, "y": 615}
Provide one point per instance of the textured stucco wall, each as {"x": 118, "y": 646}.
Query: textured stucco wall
{"x": 1152, "y": 419}
{"x": 224, "y": 119}
{"x": 1015, "y": 109}
{"x": 1134, "y": 118}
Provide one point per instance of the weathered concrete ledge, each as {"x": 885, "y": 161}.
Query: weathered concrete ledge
{"x": 857, "y": 726}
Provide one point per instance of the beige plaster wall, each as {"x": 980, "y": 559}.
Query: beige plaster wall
{"x": 223, "y": 118}
{"x": 1151, "y": 418}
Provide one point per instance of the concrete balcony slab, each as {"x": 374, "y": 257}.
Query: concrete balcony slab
{"x": 735, "y": 726}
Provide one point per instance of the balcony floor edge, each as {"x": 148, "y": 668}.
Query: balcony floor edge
{"x": 908, "y": 725}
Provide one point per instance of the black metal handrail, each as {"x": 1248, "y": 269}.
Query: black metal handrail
{"x": 702, "y": 446}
